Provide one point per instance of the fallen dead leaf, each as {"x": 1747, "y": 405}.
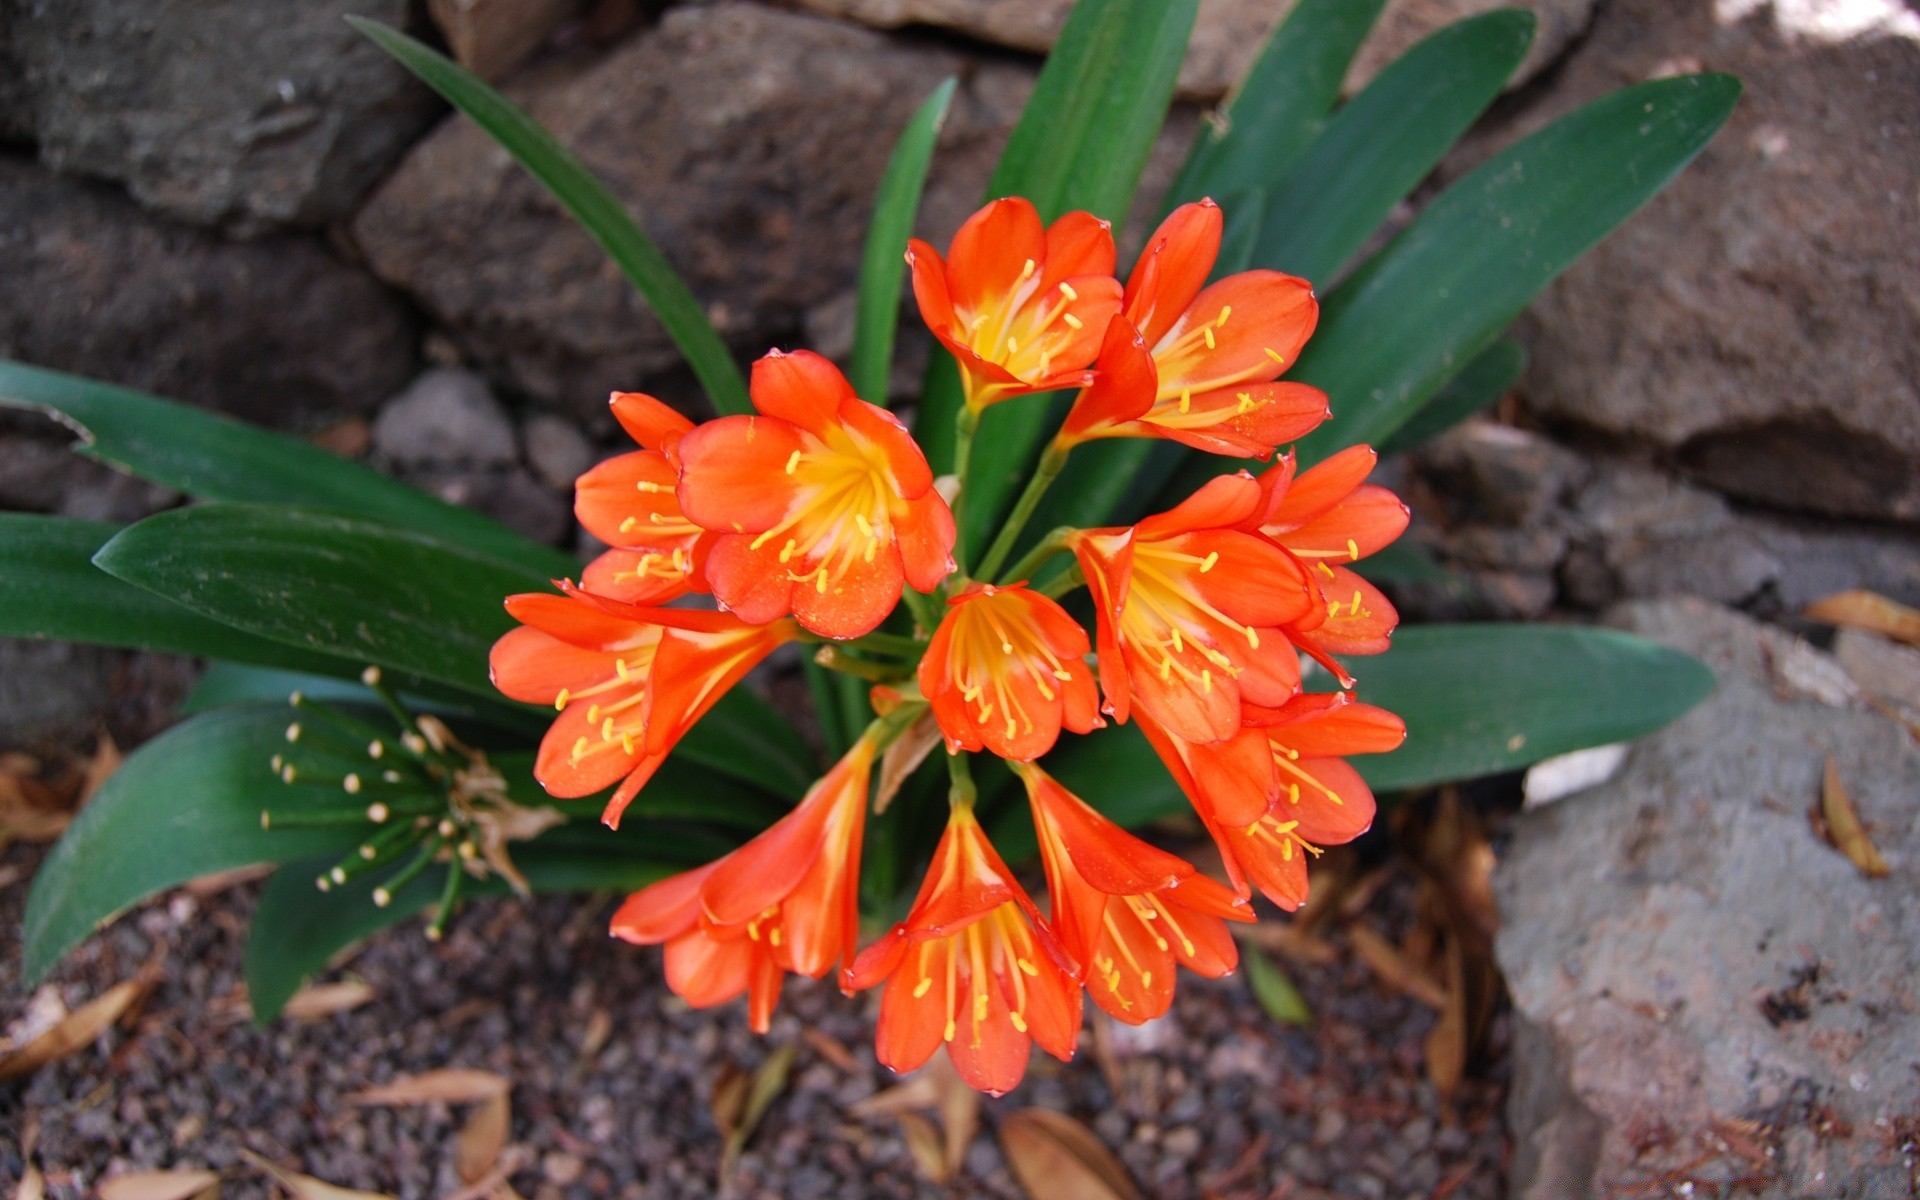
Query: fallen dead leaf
{"x": 74, "y": 1032}
{"x": 160, "y": 1185}
{"x": 1288, "y": 939}
{"x": 832, "y": 1049}
{"x": 1859, "y": 609}
{"x": 1843, "y": 825}
{"x": 454, "y": 1085}
{"x": 959, "y": 1113}
{"x": 482, "y": 1138}
{"x": 769, "y": 1080}
{"x": 1447, "y": 1040}
{"x": 593, "y": 1039}
{"x": 318, "y": 1000}
{"x": 1392, "y": 967}
{"x": 33, "y": 1185}
{"x": 1055, "y": 1157}
{"x": 100, "y": 767}
{"x": 924, "y": 1144}
{"x": 306, "y": 1187}
{"x": 917, "y": 1092}
{"x": 220, "y": 881}
{"x": 728, "y": 1102}
{"x": 903, "y": 757}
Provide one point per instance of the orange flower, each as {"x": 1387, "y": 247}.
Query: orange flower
{"x": 1022, "y": 306}
{"x": 628, "y": 502}
{"x": 1325, "y": 516}
{"x": 823, "y": 505}
{"x": 628, "y": 681}
{"x": 1190, "y": 612}
{"x": 786, "y": 901}
{"x": 972, "y": 966}
{"x": 1125, "y": 910}
{"x": 1317, "y": 799}
{"x": 1197, "y": 363}
{"x": 1006, "y": 670}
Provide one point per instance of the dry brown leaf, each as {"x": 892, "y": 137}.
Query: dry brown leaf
{"x": 918, "y": 1091}
{"x": 768, "y": 1081}
{"x": 1447, "y": 1040}
{"x": 454, "y": 1085}
{"x": 306, "y": 1187}
{"x": 74, "y": 1032}
{"x": 1288, "y": 939}
{"x": 728, "y": 1102}
{"x": 318, "y": 1000}
{"x": 159, "y": 1185}
{"x": 1859, "y": 609}
{"x": 220, "y": 881}
{"x": 1055, "y": 1157}
{"x": 482, "y": 1139}
{"x": 1844, "y": 829}
{"x": 33, "y": 1185}
{"x": 593, "y": 1038}
{"x": 903, "y": 757}
{"x": 832, "y": 1049}
{"x": 105, "y": 761}
{"x": 1392, "y": 967}
{"x": 959, "y": 1110}
{"x": 923, "y": 1143}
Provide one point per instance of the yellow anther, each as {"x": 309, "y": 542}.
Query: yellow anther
{"x": 1073, "y": 322}
{"x": 793, "y": 462}
{"x": 773, "y": 935}
{"x": 1206, "y": 680}
{"x": 1353, "y": 551}
{"x": 620, "y": 669}
{"x": 1326, "y": 570}
{"x": 1186, "y": 399}
{"x": 1027, "y": 269}
{"x": 1026, "y": 968}
{"x": 627, "y": 523}
{"x": 923, "y": 987}
{"x": 1246, "y": 402}
{"x": 1206, "y": 564}
{"x": 950, "y": 1030}
{"x": 1207, "y": 332}
{"x": 579, "y": 747}
{"x": 1354, "y": 606}
{"x": 1226, "y": 310}
{"x": 1275, "y": 355}
{"x": 1253, "y": 637}
{"x": 606, "y": 730}
{"x": 786, "y": 551}
{"x": 1019, "y": 1022}
{"x": 1066, "y": 289}
{"x": 559, "y": 705}
{"x": 626, "y": 741}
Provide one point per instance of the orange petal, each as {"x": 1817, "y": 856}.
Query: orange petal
{"x": 625, "y": 500}
{"x": 910, "y": 1027}
{"x": 856, "y": 601}
{"x": 1123, "y": 389}
{"x": 662, "y": 910}
{"x": 1078, "y": 244}
{"x": 1173, "y": 268}
{"x": 923, "y": 529}
{"x": 990, "y": 252}
{"x": 705, "y": 972}
{"x": 1221, "y": 503}
{"x": 648, "y": 421}
{"x": 635, "y": 577}
{"x": 1365, "y": 522}
{"x": 800, "y": 387}
{"x": 1322, "y": 486}
{"x": 733, "y": 472}
{"x": 1269, "y": 315}
{"x": 533, "y": 666}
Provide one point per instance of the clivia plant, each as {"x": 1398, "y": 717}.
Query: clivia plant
{"x": 1122, "y": 559}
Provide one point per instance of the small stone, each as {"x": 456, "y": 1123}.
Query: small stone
{"x": 556, "y": 450}
{"x": 446, "y": 417}
{"x": 1181, "y": 1143}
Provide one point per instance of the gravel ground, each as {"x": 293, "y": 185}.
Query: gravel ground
{"x": 1218, "y": 1100}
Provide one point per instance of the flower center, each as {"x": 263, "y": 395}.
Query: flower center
{"x": 997, "y": 951}
{"x": 1172, "y": 625}
{"x": 991, "y": 653}
{"x": 839, "y": 512}
{"x": 1023, "y": 331}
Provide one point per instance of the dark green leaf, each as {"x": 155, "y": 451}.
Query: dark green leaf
{"x": 1402, "y": 562}
{"x": 1477, "y": 386}
{"x": 184, "y": 805}
{"x": 1380, "y": 145}
{"x": 1281, "y": 106}
{"x": 884, "y": 265}
{"x": 1277, "y": 996}
{"x": 328, "y": 583}
{"x": 597, "y": 210}
{"x": 1440, "y": 293}
{"x": 49, "y": 588}
{"x": 743, "y": 736}
{"x": 217, "y": 458}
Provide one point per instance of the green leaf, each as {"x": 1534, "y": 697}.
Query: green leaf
{"x": 744, "y": 736}
{"x": 297, "y": 929}
{"x": 1440, "y": 293}
{"x": 217, "y": 458}
{"x": 884, "y": 266}
{"x": 1281, "y": 106}
{"x": 49, "y": 588}
{"x": 597, "y": 210}
{"x": 184, "y": 805}
{"x": 1403, "y": 562}
{"x": 328, "y": 583}
{"x": 1384, "y": 142}
{"x": 1275, "y": 991}
{"x": 1081, "y": 143}
{"x": 1477, "y": 700}
{"x": 1477, "y": 386}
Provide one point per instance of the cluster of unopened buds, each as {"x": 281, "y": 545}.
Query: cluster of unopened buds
{"x": 813, "y": 520}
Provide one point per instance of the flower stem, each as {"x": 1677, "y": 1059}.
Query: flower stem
{"x": 966, "y": 424}
{"x": 1063, "y": 583}
{"x": 1037, "y": 557}
{"x": 836, "y": 658}
{"x": 923, "y": 612}
{"x": 1044, "y": 473}
{"x": 896, "y": 644}
{"x": 961, "y": 792}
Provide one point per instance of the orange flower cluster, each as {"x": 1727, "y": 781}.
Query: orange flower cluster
{"x": 810, "y": 522}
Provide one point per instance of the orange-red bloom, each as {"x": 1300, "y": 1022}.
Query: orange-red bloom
{"x": 1197, "y": 362}
{"x": 1328, "y": 516}
{"x": 823, "y": 504}
{"x": 628, "y": 502}
{"x": 1124, "y": 910}
{"x": 628, "y": 681}
{"x": 1191, "y": 610}
{"x": 1005, "y": 670}
{"x": 1022, "y": 306}
{"x": 1310, "y": 798}
{"x": 786, "y": 901}
{"x": 973, "y": 966}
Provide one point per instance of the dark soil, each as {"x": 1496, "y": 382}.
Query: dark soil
{"x": 1217, "y": 1100}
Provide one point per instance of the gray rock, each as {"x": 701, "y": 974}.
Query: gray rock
{"x": 556, "y": 450}
{"x": 727, "y": 128}
{"x": 1754, "y": 323}
{"x": 1227, "y": 34}
{"x": 1492, "y": 473}
{"x": 509, "y": 495}
{"x": 234, "y": 112}
{"x": 1699, "y": 982}
{"x": 446, "y": 418}
{"x": 53, "y": 692}
{"x": 278, "y": 331}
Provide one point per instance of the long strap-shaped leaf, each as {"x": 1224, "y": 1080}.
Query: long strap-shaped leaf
{"x": 883, "y": 266}
{"x": 1477, "y": 700}
{"x": 1478, "y": 384}
{"x": 599, "y": 212}
{"x": 217, "y": 458}
{"x": 1081, "y": 143}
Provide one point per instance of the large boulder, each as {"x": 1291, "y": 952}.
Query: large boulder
{"x": 749, "y": 140}
{"x": 1227, "y": 34}
{"x": 1753, "y": 325}
{"x": 1704, "y": 990}
{"x": 278, "y": 330}
{"x": 251, "y": 114}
